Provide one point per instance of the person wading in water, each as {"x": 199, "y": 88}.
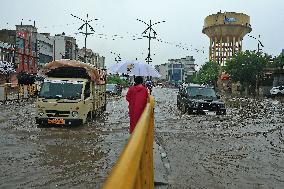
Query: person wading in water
{"x": 137, "y": 97}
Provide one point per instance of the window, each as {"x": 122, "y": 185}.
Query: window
{"x": 87, "y": 91}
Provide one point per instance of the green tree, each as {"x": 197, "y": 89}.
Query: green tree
{"x": 278, "y": 62}
{"x": 114, "y": 79}
{"x": 208, "y": 74}
{"x": 247, "y": 68}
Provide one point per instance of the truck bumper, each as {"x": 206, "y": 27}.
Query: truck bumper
{"x": 62, "y": 122}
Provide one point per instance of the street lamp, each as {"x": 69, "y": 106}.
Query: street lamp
{"x": 259, "y": 43}
{"x": 149, "y": 29}
{"x": 86, "y": 33}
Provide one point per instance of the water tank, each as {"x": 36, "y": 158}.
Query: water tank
{"x": 225, "y": 31}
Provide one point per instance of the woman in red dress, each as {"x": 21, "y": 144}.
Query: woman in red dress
{"x": 137, "y": 97}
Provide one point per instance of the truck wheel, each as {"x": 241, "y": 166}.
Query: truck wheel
{"x": 90, "y": 117}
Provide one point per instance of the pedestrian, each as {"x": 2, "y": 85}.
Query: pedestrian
{"x": 149, "y": 85}
{"x": 137, "y": 97}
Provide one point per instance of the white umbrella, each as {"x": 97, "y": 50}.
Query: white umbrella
{"x": 113, "y": 69}
{"x": 136, "y": 68}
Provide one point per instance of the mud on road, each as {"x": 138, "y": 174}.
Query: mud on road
{"x": 243, "y": 149}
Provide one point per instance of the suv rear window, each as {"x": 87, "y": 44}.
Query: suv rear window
{"x": 201, "y": 91}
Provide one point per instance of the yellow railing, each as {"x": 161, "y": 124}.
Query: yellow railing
{"x": 134, "y": 168}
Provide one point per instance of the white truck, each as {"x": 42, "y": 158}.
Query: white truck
{"x": 71, "y": 94}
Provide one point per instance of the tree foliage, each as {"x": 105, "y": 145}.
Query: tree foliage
{"x": 278, "y": 62}
{"x": 113, "y": 79}
{"x": 208, "y": 74}
{"x": 247, "y": 67}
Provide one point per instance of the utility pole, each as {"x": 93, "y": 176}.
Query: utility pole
{"x": 259, "y": 43}
{"x": 149, "y": 29}
{"x": 86, "y": 33}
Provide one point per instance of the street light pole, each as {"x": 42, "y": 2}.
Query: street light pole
{"x": 259, "y": 43}
{"x": 149, "y": 36}
{"x": 86, "y": 25}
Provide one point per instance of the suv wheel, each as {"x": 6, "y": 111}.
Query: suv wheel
{"x": 189, "y": 111}
{"x": 222, "y": 112}
{"x": 183, "y": 109}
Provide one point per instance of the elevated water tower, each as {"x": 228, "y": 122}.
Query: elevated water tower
{"x": 226, "y": 31}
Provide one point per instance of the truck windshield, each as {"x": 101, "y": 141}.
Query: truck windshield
{"x": 58, "y": 90}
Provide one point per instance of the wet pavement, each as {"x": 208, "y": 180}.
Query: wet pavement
{"x": 243, "y": 149}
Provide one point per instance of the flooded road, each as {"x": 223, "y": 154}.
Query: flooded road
{"x": 76, "y": 157}
{"x": 243, "y": 149}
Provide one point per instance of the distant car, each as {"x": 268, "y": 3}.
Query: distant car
{"x": 113, "y": 89}
{"x": 200, "y": 100}
{"x": 278, "y": 90}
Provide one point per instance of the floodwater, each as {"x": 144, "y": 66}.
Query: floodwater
{"x": 243, "y": 149}
{"x": 59, "y": 157}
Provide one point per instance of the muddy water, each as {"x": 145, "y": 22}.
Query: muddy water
{"x": 244, "y": 149}
{"x": 76, "y": 157}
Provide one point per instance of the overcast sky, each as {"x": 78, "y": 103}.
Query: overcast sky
{"x": 117, "y": 25}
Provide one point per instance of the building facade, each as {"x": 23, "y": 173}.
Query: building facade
{"x": 7, "y": 52}
{"x": 45, "y": 46}
{"x": 26, "y": 47}
{"x": 91, "y": 58}
{"x": 64, "y": 47}
{"x": 163, "y": 70}
{"x": 180, "y": 69}
{"x": 7, "y": 62}
{"x": 177, "y": 70}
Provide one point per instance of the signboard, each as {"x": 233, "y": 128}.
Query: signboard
{"x": 176, "y": 76}
{"x": 177, "y": 65}
{"x": 230, "y": 20}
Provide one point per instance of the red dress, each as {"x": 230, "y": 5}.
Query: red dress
{"x": 137, "y": 98}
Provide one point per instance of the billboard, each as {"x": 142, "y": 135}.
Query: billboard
{"x": 176, "y": 75}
